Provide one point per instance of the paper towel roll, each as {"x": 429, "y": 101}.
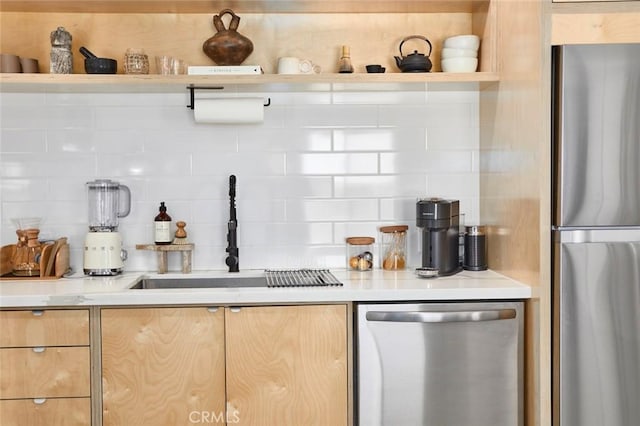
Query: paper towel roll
{"x": 229, "y": 110}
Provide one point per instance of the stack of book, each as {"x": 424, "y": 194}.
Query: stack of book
{"x": 225, "y": 69}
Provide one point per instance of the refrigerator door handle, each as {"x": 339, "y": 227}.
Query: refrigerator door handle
{"x": 442, "y": 317}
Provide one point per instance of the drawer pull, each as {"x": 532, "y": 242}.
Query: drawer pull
{"x": 37, "y": 313}
{"x": 39, "y": 349}
{"x": 39, "y": 401}
{"x": 235, "y": 310}
{"x": 212, "y": 309}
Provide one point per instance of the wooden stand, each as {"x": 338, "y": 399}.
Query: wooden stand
{"x": 163, "y": 251}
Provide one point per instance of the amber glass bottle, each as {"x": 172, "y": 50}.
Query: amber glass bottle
{"x": 162, "y": 226}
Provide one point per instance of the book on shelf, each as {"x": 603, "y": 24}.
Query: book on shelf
{"x": 224, "y": 69}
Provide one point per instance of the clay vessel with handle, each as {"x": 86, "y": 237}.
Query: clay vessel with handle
{"x": 227, "y": 46}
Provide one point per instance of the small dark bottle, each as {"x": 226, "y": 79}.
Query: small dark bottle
{"x": 162, "y": 230}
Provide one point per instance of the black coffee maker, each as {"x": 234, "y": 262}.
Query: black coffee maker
{"x": 439, "y": 220}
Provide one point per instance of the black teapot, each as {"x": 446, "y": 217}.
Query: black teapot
{"x": 414, "y": 62}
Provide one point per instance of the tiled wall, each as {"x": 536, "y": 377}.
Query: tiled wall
{"x": 322, "y": 166}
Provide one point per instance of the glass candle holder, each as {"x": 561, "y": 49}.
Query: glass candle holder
{"x": 136, "y": 62}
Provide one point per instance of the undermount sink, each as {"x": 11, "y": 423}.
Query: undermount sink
{"x": 217, "y": 282}
{"x": 271, "y": 278}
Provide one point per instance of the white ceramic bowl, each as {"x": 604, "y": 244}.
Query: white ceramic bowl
{"x": 463, "y": 42}
{"x": 450, "y": 52}
{"x": 459, "y": 64}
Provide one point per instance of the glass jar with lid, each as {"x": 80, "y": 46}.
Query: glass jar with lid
{"x": 393, "y": 247}
{"x": 360, "y": 253}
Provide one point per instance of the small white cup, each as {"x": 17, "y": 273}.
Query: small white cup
{"x": 289, "y": 65}
{"x": 293, "y": 65}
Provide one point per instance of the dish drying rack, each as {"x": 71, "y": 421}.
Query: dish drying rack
{"x": 301, "y": 278}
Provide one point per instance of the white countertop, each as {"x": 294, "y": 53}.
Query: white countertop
{"x": 371, "y": 286}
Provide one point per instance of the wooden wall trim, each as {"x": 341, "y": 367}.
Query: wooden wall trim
{"x": 580, "y": 28}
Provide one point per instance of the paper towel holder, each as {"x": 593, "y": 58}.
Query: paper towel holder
{"x": 192, "y": 95}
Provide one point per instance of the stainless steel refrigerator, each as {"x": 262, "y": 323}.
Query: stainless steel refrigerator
{"x": 596, "y": 235}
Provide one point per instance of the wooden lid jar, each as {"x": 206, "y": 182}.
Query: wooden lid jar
{"x": 360, "y": 253}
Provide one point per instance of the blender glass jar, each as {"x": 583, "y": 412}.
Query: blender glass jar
{"x": 104, "y": 204}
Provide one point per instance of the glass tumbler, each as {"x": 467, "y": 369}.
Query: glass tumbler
{"x": 136, "y": 62}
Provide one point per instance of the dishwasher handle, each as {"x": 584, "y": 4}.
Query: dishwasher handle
{"x": 441, "y": 317}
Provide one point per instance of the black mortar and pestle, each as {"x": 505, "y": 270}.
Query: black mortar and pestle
{"x": 95, "y": 65}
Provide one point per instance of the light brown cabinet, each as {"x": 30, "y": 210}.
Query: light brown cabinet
{"x": 579, "y": 22}
{"x": 282, "y": 365}
{"x": 45, "y": 367}
{"x": 307, "y": 29}
{"x": 287, "y": 365}
{"x": 162, "y": 366}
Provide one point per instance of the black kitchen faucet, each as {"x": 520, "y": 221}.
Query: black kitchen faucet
{"x": 233, "y": 260}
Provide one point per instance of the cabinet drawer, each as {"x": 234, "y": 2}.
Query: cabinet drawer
{"x": 44, "y": 328}
{"x": 46, "y": 412}
{"x": 44, "y": 372}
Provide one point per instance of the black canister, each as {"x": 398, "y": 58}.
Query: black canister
{"x": 475, "y": 248}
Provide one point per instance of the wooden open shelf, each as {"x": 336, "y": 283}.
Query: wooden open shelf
{"x": 266, "y": 82}
{"x": 240, "y": 6}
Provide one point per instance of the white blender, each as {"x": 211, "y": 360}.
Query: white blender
{"x": 103, "y": 253}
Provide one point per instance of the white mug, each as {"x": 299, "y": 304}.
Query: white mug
{"x": 293, "y": 65}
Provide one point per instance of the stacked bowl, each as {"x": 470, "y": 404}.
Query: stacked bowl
{"x": 460, "y": 53}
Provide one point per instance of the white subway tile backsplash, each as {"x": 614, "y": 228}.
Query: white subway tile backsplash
{"x": 386, "y": 139}
{"x": 22, "y": 140}
{"x": 378, "y": 186}
{"x": 332, "y": 210}
{"x": 283, "y": 187}
{"x": 12, "y": 190}
{"x": 46, "y": 165}
{"x": 246, "y": 164}
{"x": 343, "y": 230}
{"x": 448, "y": 185}
{"x": 14, "y": 99}
{"x": 379, "y": 98}
{"x": 283, "y": 140}
{"x": 426, "y": 162}
{"x": 144, "y": 164}
{"x": 324, "y": 165}
{"x": 400, "y": 209}
{"x": 332, "y": 164}
{"x": 452, "y": 137}
{"x": 437, "y": 114}
{"x": 44, "y": 117}
{"x": 332, "y": 116}
{"x": 141, "y": 117}
{"x": 200, "y": 140}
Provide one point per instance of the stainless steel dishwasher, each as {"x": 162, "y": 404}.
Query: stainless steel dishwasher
{"x": 440, "y": 364}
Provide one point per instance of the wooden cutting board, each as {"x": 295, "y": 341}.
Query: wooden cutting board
{"x": 60, "y": 261}
{"x": 61, "y": 265}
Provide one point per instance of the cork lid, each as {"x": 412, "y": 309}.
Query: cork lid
{"x": 393, "y": 228}
{"x": 360, "y": 241}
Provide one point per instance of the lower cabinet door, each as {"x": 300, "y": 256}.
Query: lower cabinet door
{"x": 44, "y": 372}
{"x": 46, "y": 412}
{"x": 287, "y": 365}
{"x": 162, "y": 366}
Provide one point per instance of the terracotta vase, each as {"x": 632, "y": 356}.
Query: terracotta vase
{"x": 227, "y": 46}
